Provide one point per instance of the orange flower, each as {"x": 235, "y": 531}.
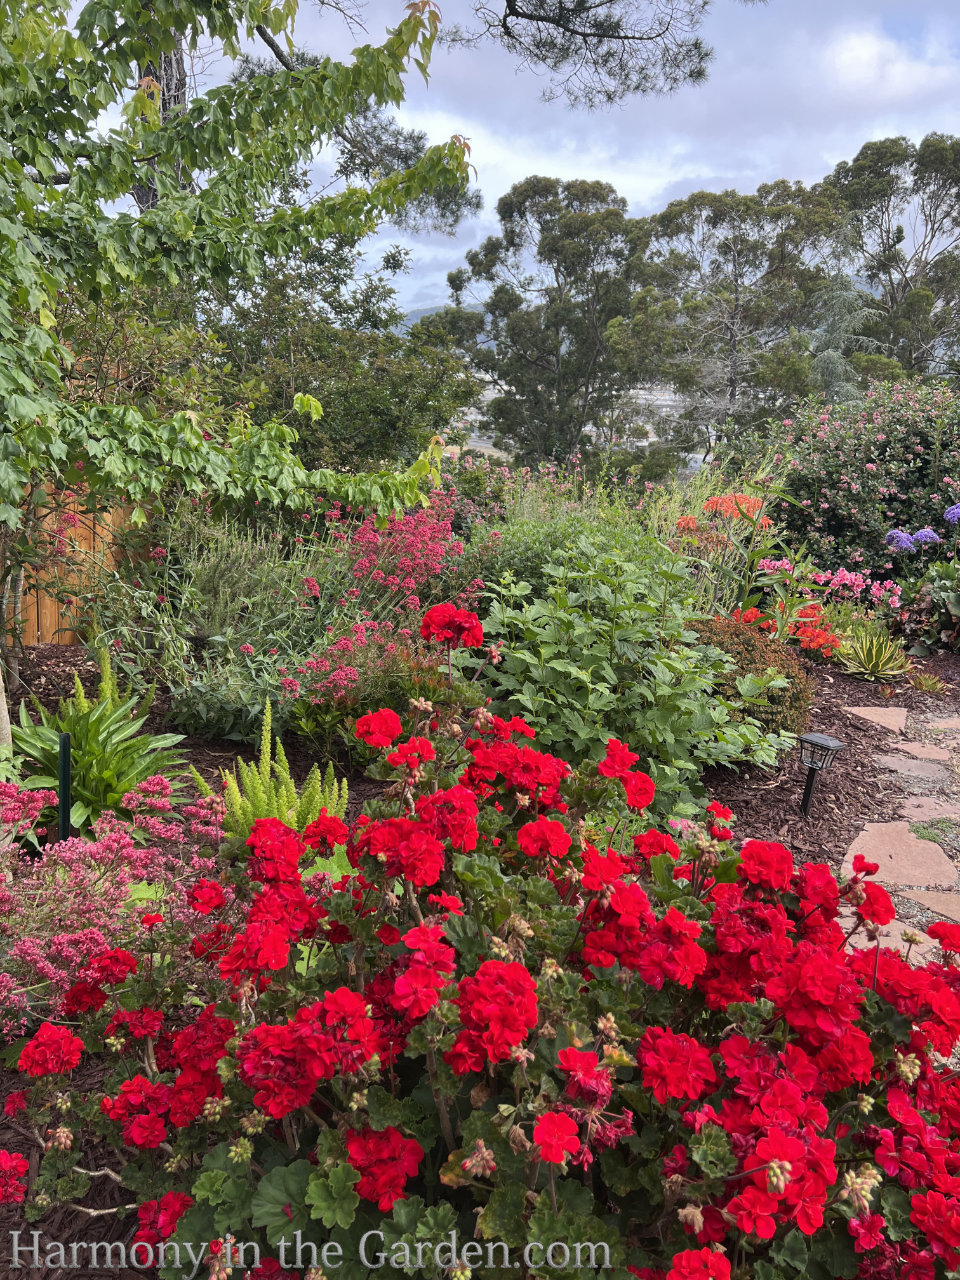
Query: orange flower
{"x": 687, "y": 524}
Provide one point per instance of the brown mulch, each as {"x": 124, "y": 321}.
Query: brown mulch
{"x": 855, "y": 790}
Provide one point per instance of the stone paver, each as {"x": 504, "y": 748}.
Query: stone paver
{"x": 943, "y": 904}
{"x": 922, "y": 752}
{"x": 891, "y": 935}
{"x": 951, "y": 722}
{"x": 904, "y": 858}
{"x": 917, "y": 808}
{"x": 892, "y": 718}
{"x": 910, "y": 768}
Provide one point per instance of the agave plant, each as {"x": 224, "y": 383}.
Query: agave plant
{"x": 873, "y": 655}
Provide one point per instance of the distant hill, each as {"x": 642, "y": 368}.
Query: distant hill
{"x": 412, "y": 317}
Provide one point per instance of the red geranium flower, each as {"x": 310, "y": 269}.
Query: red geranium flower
{"x": 206, "y": 896}
{"x": 379, "y": 728}
{"x": 544, "y": 838}
{"x": 948, "y": 935}
{"x": 699, "y": 1264}
{"x": 766, "y": 863}
{"x": 325, "y": 829}
{"x": 51, "y": 1052}
{"x": 385, "y": 1159}
{"x": 457, "y": 628}
{"x": 674, "y": 1066}
{"x": 619, "y": 760}
{"x": 13, "y": 1167}
{"x": 639, "y": 789}
{"x": 557, "y": 1135}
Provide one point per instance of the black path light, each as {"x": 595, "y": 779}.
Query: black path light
{"x": 64, "y": 798}
{"x": 817, "y": 752}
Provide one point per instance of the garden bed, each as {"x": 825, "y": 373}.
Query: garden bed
{"x": 766, "y": 801}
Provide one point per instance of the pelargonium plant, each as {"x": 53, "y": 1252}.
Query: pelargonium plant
{"x": 501, "y": 1026}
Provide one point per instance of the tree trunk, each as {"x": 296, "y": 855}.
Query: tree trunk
{"x": 170, "y": 72}
{"x": 16, "y": 646}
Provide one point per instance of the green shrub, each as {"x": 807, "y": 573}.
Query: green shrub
{"x": 608, "y": 651}
{"x": 753, "y": 653}
{"x": 930, "y": 618}
{"x": 859, "y": 470}
{"x": 108, "y": 753}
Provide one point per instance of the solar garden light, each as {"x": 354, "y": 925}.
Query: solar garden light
{"x": 817, "y": 752}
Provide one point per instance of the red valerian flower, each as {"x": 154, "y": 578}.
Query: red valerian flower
{"x": 766, "y": 863}
{"x": 13, "y": 1167}
{"x": 674, "y": 1066}
{"x": 699, "y": 1264}
{"x": 385, "y": 1159}
{"x": 458, "y": 628}
{"x": 327, "y": 829}
{"x": 206, "y": 896}
{"x": 379, "y": 728}
{"x": 557, "y": 1136}
{"x": 619, "y": 760}
{"x": 544, "y": 838}
{"x": 51, "y": 1052}
{"x": 638, "y": 789}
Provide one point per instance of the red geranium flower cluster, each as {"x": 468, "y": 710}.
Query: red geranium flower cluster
{"x": 453, "y": 627}
{"x": 51, "y": 1052}
{"x": 385, "y": 1159}
{"x": 13, "y": 1167}
{"x": 498, "y": 1009}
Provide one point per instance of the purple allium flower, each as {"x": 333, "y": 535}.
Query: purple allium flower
{"x": 952, "y": 514}
{"x": 925, "y": 535}
{"x": 900, "y": 540}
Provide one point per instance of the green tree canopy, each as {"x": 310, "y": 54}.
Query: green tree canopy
{"x": 727, "y": 290}
{"x": 214, "y": 163}
{"x": 549, "y": 285}
{"x": 903, "y": 202}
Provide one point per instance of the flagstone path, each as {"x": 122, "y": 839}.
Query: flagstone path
{"x": 919, "y": 851}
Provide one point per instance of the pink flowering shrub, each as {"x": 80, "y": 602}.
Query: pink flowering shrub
{"x": 860, "y": 470}
{"x": 81, "y": 896}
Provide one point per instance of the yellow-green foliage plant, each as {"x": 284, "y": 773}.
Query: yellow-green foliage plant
{"x": 871, "y": 654}
{"x": 265, "y": 789}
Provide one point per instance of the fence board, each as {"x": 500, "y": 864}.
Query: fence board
{"x": 44, "y": 619}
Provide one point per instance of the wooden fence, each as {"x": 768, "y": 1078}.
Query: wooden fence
{"x": 44, "y": 620}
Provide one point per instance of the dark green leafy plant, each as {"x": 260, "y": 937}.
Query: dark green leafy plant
{"x": 109, "y": 755}
{"x": 930, "y": 618}
{"x": 787, "y": 707}
{"x": 609, "y": 651}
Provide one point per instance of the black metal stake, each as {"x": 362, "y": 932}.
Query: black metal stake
{"x": 64, "y": 803}
{"x": 808, "y": 792}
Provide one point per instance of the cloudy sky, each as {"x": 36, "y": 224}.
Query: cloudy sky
{"x": 795, "y": 86}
